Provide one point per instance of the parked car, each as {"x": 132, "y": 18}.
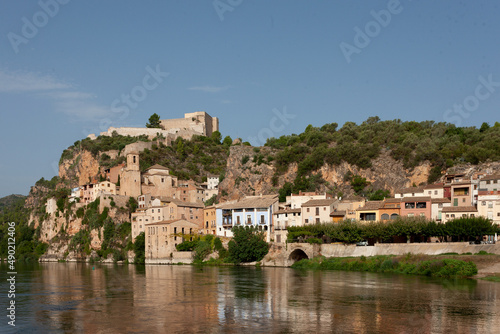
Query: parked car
{"x": 362, "y": 243}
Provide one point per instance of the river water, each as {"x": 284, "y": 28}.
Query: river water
{"x": 86, "y": 298}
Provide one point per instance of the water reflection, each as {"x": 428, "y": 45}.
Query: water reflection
{"x": 85, "y": 298}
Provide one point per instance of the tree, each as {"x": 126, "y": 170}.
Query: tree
{"x": 485, "y": 126}
{"x": 227, "y": 141}
{"x": 247, "y": 245}
{"x": 140, "y": 249}
{"x": 154, "y": 121}
{"x": 216, "y": 136}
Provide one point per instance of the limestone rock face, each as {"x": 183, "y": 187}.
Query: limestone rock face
{"x": 79, "y": 169}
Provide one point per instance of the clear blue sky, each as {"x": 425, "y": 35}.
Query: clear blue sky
{"x": 64, "y": 68}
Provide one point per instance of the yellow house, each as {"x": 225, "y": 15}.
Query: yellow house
{"x": 369, "y": 212}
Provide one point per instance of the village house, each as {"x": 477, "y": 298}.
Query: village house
{"x": 461, "y": 194}
{"x": 488, "y": 202}
{"x": 416, "y": 207}
{"x": 337, "y": 216}
{"x": 390, "y": 209}
{"x": 211, "y": 187}
{"x": 453, "y": 212}
{"x": 112, "y": 173}
{"x": 437, "y": 205}
{"x": 209, "y": 218}
{"x": 189, "y": 191}
{"x": 349, "y": 205}
{"x": 317, "y": 211}
{"x": 253, "y": 211}
{"x": 369, "y": 212}
{"x": 163, "y": 237}
{"x": 435, "y": 190}
{"x": 410, "y": 192}
{"x": 157, "y": 181}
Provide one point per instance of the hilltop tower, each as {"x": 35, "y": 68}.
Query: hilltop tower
{"x": 130, "y": 176}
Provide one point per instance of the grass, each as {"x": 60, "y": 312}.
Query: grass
{"x": 408, "y": 264}
{"x": 491, "y": 278}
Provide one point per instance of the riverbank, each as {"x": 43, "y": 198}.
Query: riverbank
{"x": 444, "y": 265}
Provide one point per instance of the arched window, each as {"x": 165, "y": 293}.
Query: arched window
{"x": 385, "y": 216}
{"x": 394, "y": 216}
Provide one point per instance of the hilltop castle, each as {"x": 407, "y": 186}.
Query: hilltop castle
{"x": 197, "y": 123}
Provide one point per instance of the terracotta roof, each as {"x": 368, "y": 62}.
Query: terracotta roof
{"x": 251, "y": 202}
{"x": 392, "y": 200}
{"x": 434, "y": 186}
{"x": 167, "y": 222}
{"x": 410, "y": 190}
{"x": 490, "y": 177}
{"x": 416, "y": 199}
{"x": 371, "y": 205}
{"x": 157, "y": 167}
{"x": 459, "y": 209}
{"x": 440, "y": 200}
{"x": 318, "y": 202}
{"x": 188, "y": 204}
{"x": 460, "y": 183}
{"x": 353, "y": 199}
{"x": 337, "y": 214}
{"x": 287, "y": 211}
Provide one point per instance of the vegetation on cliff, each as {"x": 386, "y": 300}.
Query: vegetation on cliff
{"x": 190, "y": 159}
{"x": 442, "y": 144}
{"x": 28, "y": 246}
{"x": 100, "y": 144}
{"x": 409, "y": 264}
{"x": 401, "y": 229}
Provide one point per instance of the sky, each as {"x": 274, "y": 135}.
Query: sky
{"x": 69, "y": 68}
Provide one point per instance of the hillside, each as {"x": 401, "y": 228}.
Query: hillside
{"x": 372, "y": 159}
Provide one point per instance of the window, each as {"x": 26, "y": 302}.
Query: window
{"x": 421, "y": 205}
{"x": 490, "y": 205}
{"x": 410, "y": 205}
{"x": 307, "y": 221}
{"x": 452, "y": 215}
{"x": 385, "y": 216}
{"x": 262, "y": 220}
{"x": 307, "y": 209}
{"x": 471, "y": 215}
{"x": 435, "y": 192}
{"x": 440, "y": 205}
{"x": 317, "y": 220}
{"x": 463, "y": 200}
{"x": 238, "y": 220}
{"x": 410, "y": 215}
{"x": 249, "y": 219}
{"x": 317, "y": 211}
{"x": 483, "y": 203}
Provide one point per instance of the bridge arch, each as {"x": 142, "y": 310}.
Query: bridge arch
{"x": 297, "y": 255}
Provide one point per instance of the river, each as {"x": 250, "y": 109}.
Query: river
{"x": 86, "y": 298}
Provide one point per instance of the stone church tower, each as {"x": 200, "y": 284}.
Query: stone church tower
{"x": 130, "y": 176}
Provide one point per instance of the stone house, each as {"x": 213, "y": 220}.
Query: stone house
{"x": 157, "y": 181}
{"x": 162, "y": 237}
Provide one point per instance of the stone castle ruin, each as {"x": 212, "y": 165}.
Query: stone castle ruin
{"x": 197, "y": 123}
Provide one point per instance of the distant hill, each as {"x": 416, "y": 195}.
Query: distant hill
{"x": 10, "y": 200}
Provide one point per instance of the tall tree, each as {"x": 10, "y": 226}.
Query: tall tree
{"x": 154, "y": 121}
